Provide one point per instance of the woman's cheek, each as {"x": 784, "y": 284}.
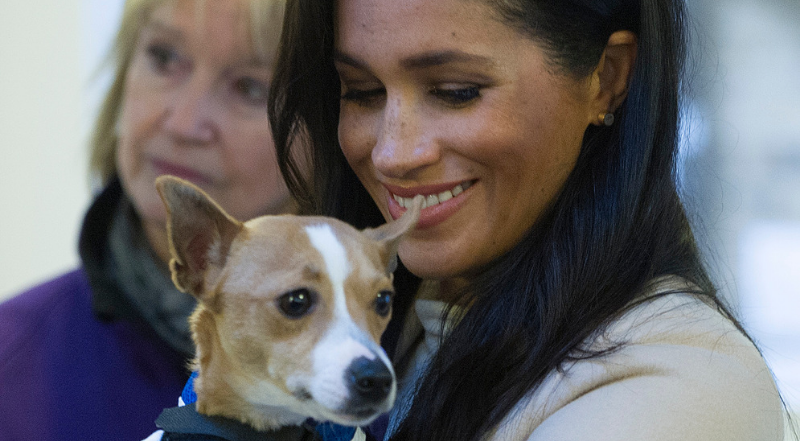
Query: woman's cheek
{"x": 354, "y": 140}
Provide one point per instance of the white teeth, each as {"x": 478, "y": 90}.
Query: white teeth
{"x": 431, "y": 201}
{"x": 434, "y": 199}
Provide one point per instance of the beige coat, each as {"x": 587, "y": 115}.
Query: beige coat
{"x": 685, "y": 374}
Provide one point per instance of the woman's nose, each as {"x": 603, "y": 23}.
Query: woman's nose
{"x": 404, "y": 142}
{"x": 190, "y": 112}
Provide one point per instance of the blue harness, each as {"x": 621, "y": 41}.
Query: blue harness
{"x": 325, "y": 431}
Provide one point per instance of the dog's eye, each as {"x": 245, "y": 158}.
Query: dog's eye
{"x": 383, "y": 304}
{"x": 297, "y": 303}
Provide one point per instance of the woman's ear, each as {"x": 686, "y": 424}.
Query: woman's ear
{"x": 612, "y": 76}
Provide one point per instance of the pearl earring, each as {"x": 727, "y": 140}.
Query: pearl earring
{"x": 606, "y": 119}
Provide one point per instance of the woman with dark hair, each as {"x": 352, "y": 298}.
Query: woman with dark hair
{"x": 555, "y": 287}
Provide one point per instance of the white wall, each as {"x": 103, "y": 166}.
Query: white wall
{"x": 42, "y": 190}
{"x": 46, "y": 56}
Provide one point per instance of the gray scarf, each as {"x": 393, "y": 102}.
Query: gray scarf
{"x": 146, "y": 281}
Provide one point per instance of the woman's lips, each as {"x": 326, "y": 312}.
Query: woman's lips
{"x": 441, "y": 201}
{"x": 167, "y": 168}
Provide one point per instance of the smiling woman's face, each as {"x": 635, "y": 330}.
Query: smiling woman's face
{"x": 194, "y": 106}
{"x": 441, "y": 99}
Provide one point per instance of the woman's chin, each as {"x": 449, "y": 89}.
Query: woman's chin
{"x": 426, "y": 265}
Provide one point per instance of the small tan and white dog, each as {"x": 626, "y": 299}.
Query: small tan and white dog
{"x": 290, "y": 311}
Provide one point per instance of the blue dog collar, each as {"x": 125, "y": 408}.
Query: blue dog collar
{"x": 188, "y": 396}
{"x": 327, "y": 431}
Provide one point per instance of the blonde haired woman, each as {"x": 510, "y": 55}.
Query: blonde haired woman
{"x": 98, "y": 352}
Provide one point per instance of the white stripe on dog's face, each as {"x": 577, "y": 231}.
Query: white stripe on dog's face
{"x": 336, "y": 262}
{"x": 344, "y": 341}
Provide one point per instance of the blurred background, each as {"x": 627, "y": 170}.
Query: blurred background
{"x": 740, "y": 152}
{"x": 51, "y": 82}
{"x": 741, "y": 166}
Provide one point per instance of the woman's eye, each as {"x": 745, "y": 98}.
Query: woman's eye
{"x": 456, "y": 96}
{"x": 254, "y": 92}
{"x": 363, "y": 97}
{"x": 162, "y": 57}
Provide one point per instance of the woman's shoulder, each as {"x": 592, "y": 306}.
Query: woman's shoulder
{"x": 46, "y": 294}
{"x": 34, "y": 310}
{"x": 676, "y": 368}
{"x": 671, "y": 313}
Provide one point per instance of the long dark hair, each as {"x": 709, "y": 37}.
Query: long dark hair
{"x": 617, "y": 225}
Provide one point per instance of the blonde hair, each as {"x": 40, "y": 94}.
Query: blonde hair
{"x": 265, "y": 20}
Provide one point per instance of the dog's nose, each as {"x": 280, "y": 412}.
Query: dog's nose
{"x": 370, "y": 380}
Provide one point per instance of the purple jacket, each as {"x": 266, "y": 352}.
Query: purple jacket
{"x": 77, "y": 361}
{"x": 67, "y": 375}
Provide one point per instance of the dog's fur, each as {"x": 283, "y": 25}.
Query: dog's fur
{"x": 258, "y": 364}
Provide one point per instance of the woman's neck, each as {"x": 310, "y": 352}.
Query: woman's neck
{"x": 450, "y": 289}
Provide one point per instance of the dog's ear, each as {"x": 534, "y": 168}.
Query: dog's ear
{"x": 390, "y": 234}
{"x": 200, "y": 233}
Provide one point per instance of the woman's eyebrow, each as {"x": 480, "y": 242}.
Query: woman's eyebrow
{"x": 424, "y": 60}
{"x": 157, "y": 26}
{"x": 251, "y": 61}
{"x": 439, "y": 58}
{"x": 341, "y": 57}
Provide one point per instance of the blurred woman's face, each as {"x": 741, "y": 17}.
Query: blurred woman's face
{"x": 194, "y": 106}
{"x": 439, "y": 98}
